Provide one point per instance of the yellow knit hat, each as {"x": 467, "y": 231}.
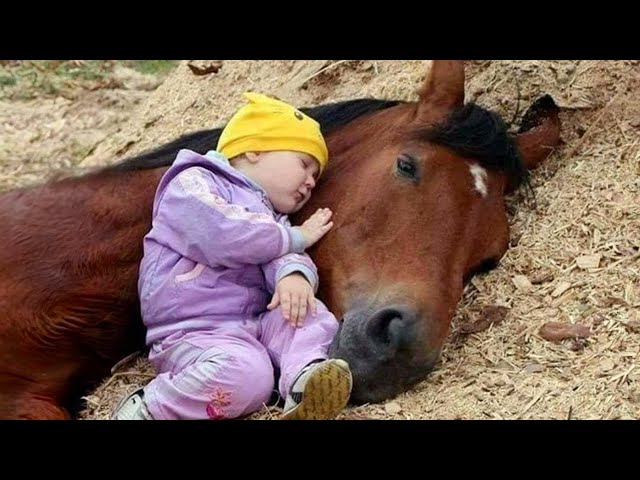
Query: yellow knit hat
{"x": 266, "y": 124}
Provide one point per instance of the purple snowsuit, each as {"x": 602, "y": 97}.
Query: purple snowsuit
{"x": 212, "y": 259}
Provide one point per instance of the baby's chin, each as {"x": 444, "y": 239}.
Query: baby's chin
{"x": 290, "y": 210}
{"x": 290, "y": 207}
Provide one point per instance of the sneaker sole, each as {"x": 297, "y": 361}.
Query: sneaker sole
{"x": 118, "y": 414}
{"x": 325, "y": 394}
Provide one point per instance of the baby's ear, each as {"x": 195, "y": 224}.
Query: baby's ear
{"x": 252, "y": 156}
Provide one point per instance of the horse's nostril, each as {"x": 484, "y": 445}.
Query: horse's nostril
{"x": 388, "y": 326}
{"x": 378, "y": 325}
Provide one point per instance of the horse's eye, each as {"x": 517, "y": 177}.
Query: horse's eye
{"x": 407, "y": 167}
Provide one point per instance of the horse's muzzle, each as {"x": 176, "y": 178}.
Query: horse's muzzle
{"x": 385, "y": 351}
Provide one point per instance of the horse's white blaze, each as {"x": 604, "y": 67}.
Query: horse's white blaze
{"x": 479, "y": 175}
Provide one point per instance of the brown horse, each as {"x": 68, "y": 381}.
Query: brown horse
{"x": 417, "y": 191}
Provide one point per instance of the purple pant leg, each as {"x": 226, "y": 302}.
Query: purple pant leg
{"x": 292, "y": 348}
{"x": 224, "y": 373}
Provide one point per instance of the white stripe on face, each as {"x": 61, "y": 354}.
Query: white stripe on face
{"x": 479, "y": 175}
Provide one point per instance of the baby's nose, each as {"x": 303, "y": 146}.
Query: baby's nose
{"x": 311, "y": 182}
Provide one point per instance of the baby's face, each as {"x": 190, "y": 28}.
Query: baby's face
{"x": 288, "y": 178}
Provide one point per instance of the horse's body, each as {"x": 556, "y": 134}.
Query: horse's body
{"x": 417, "y": 191}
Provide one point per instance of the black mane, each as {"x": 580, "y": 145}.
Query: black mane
{"x": 329, "y": 116}
{"x": 470, "y": 131}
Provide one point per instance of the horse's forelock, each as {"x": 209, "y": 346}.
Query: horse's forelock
{"x": 475, "y": 132}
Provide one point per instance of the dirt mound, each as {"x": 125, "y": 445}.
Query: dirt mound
{"x": 41, "y": 133}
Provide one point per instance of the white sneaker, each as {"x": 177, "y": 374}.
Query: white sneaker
{"x": 320, "y": 392}
{"x": 132, "y": 407}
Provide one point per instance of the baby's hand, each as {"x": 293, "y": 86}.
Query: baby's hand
{"x": 294, "y": 293}
{"x": 316, "y": 226}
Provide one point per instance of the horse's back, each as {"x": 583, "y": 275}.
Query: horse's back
{"x": 68, "y": 296}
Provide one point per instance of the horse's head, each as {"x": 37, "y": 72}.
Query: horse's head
{"x": 417, "y": 192}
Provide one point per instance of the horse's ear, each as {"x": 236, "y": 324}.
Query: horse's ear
{"x": 539, "y": 132}
{"x": 443, "y": 88}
